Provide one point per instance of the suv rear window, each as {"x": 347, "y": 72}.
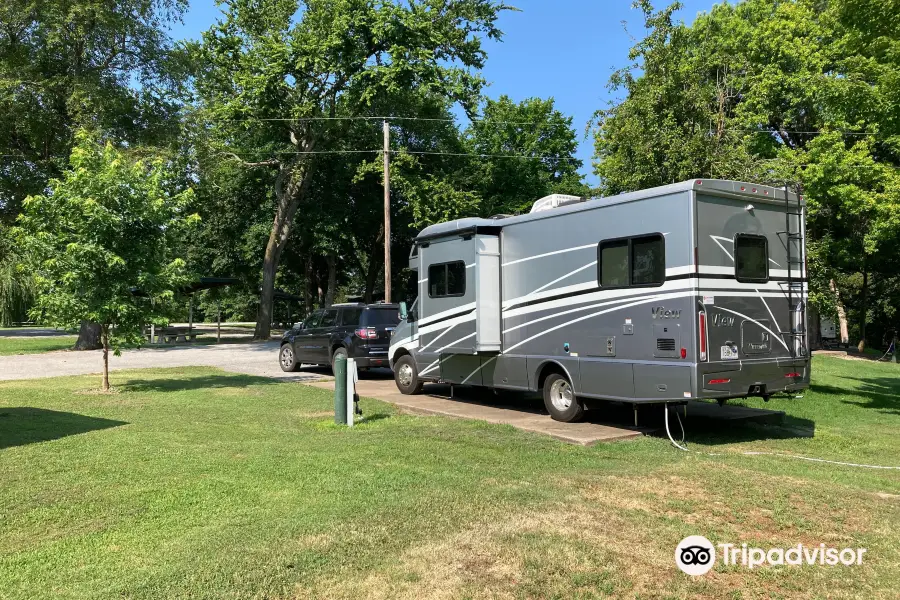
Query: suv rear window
{"x": 350, "y": 317}
{"x": 751, "y": 258}
{"x": 382, "y": 316}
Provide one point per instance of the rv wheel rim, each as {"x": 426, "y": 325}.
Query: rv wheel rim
{"x": 287, "y": 356}
{"x": 561, "y": 395}
{"x": 405, "y": 375}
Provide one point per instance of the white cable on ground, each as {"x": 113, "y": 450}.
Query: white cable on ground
{"x": 669, "y": 433}
{"x": 822, "y": 460}
{"x": 819, "y": 460}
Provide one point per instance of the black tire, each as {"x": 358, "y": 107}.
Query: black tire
{"x": 406, "y": 376}
{"x": 338, "y": 352}
{"x": 287, "y": 359}
{"x": 560, "y": 400}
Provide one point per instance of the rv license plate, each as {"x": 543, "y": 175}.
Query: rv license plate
{"x": 729, "y": 352}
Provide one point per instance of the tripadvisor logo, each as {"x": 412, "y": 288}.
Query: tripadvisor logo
{"x": 696, "y": 555}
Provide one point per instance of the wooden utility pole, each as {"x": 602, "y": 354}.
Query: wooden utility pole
{"x": 387, "y": 213}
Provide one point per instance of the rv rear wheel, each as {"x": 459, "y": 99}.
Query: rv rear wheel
{"x": 406, "y": 375}
{"x": 560, "y": 400}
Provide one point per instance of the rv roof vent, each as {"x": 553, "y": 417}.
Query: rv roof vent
{"x": 500, "y": 216}
{"x": 554, "y": 201}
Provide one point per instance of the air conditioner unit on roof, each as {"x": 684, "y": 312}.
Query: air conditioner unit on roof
{"x": 554, "y": 201}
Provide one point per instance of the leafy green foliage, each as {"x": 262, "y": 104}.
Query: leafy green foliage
{"x": 271, "y": 65}
{"x": 772, "y": 91}
{"x": 66, "y": 63}
{"x": 532, "y": 128}
{"x": 102, "y": 232}
{"x": 16, "y": 285}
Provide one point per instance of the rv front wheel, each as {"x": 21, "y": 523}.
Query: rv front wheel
{"x": 560, "y": 400}
{"x": 406, "y": 375}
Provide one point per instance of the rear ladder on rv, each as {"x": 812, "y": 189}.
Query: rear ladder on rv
{"x": 796, "y": 275}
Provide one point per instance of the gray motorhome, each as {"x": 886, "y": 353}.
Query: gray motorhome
{"x": 691, "y": 290}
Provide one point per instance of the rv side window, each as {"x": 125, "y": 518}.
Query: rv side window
{"x": 751, "y": 258}
{"x": 447, "y": 279}
{"x": 648, "y": 261}
{"x": 632, "y": 261}
{"x": 614, "y": 263}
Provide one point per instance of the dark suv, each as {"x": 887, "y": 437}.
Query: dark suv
{"x": 358, "y": 331}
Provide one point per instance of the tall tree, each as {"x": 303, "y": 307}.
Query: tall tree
{"x": 101, "y": 232}
{"x": 542, "y": 140}
{"x": 107, "y": 65}
{"x": 273, "y": 66}
{"x": 71, "y": 63}
{"x": 772, "y": 91}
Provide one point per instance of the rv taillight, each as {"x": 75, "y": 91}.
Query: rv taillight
{"x": 702, "y": 335}
{"x": 684, "y": 353}
{"x": 718, "y": 381}
{"x": 791, "y": 375}
{"x": 366, "y": 333}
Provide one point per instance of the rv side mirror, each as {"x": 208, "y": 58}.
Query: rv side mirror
{"x": 404, "y": 312}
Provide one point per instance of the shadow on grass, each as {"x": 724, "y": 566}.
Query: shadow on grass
{"x": 881, "y": 393}
{"x": 20, "y": 426}
{"x": 181, "y": 384}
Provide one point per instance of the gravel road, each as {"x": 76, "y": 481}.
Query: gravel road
{"x": 252, "y": 359}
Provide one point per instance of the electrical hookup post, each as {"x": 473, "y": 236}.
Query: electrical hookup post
{"x": 346, "y": 400}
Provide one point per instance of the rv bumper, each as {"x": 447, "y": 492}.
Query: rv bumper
{"x": 747, "y": 378}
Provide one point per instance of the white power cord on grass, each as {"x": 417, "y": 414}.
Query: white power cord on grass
{"x": 669, "y": 433}
{"x": 820, "y": 460}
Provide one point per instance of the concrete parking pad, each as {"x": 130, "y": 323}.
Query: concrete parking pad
{"x": 472, "y": 403}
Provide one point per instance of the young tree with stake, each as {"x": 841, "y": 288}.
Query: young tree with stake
{"x": 101, "y": 233}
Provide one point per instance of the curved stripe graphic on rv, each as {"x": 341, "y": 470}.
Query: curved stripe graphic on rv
{"x": 743, "y": 316}
{"x": 584, "y": 318}
{"x": 558, "y": 279}
{"x": 439, "y": 350}
{"x": 563, "y": 251}
{"x": 444, "y": 314}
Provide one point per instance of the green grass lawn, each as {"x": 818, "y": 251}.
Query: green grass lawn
{"x": 35, "y": 345}
{"x": 203, "y": 484}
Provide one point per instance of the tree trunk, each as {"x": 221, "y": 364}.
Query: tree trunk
{"x": 814, "y": 333}
{"x": 104, "y": 335}
{"x": 865, "y": 309}
{"x": 307, "y": 289}
{"x": 88, "y": 336}
{"x": 374, "y": 267}
{"x": 290, "y": 190}
{"x": 331, "y": 259}
{"x": 843, "y": 325}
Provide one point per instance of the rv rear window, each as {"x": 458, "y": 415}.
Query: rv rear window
{"x": 751, "y": 258}
{"x": 447, "y": 279}
{"x": 634, "y": 261}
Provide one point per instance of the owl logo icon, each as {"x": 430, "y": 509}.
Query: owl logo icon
{"x": 695, "y": 555}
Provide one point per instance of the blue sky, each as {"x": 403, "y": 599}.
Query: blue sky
{"x": 560, "y": 48}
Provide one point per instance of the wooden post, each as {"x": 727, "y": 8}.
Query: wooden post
{"x": 218, "y": 321}
{"x": 191, "y": 314}
{"x": 387, "y": 213}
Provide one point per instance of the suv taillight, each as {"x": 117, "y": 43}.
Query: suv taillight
{"x": 366, "y": 333}
{"x": 702, "y": 321}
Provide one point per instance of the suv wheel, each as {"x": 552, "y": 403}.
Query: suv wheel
{"x": 560, "y": 400}
{"x": 287, "y": 359}
{"x": 406, "y": 375}
{"x": 339, "y": 352}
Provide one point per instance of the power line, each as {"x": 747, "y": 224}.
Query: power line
{"x": 394, "y": 118}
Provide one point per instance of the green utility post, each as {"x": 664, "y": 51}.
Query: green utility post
{"x": 894, "y": 356}
{"x": 340, "y": 390}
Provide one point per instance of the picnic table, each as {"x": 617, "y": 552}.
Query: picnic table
{"x": 170, "y": 335}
